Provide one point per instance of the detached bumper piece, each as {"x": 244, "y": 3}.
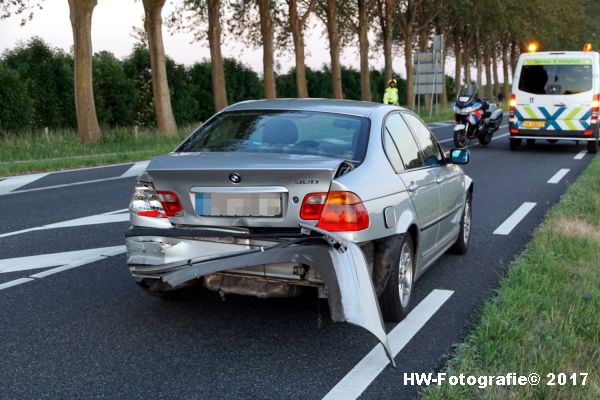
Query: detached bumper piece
{"x": 155, "y": 253}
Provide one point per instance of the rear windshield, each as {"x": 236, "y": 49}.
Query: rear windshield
{"x": 287, "y": 132}
{"x": 556, "y": 79}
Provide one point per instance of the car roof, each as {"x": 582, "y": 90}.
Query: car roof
{"x": 349, "y": 107}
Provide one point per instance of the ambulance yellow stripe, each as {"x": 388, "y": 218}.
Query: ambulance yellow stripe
{"x": 570, "y": 125}
{"x": 530, "y": 113}
{"x": 573, "y": 113}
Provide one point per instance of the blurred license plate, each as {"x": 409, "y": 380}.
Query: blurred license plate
{"x": 238, "y": 204}
{"x": 534, "y": 124}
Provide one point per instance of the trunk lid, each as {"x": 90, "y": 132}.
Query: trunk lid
{"x": 241, "y": 189}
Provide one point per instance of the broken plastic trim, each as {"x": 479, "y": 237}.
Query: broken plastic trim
{"x": 340, "y": 263}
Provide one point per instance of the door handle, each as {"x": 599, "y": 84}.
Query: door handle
{"x": 439, "y": 180}
{"x": 412, "y": 187}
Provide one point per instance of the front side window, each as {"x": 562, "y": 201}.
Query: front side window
{"x": 285, "y": 132}
{"x": 404, "y": 141}
{"x": 429, "y": 145}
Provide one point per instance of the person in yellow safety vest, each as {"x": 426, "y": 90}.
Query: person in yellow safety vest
{"x": 391, "y": 93}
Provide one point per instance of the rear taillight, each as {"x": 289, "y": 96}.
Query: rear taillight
{"x": 144, "y": 201}
{"x": 512, "y": 106}
{"x": 170, "y": 203}
{"x": 335, "y": 211}
{"x": 595, "y": 108}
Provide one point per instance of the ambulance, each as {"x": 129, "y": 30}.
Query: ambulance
{"x": 555, "y": 96}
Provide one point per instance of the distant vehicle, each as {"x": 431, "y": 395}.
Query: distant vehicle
{"x": 474, "y": 117}
{"x": 555, "y": 96}
{"x": 268, "y": 198}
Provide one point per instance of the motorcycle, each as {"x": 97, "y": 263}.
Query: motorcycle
{"x": 474, "y": 118}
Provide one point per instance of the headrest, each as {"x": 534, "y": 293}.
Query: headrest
{"x": 278, "y": 131}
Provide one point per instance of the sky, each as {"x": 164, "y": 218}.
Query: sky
{"x": 112, "y": 26}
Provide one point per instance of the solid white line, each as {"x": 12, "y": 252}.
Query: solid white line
{"x": 106, "y": 218}
{"x": 10, "y": 184}
{"x": 61, "y": 171}
{"x": 136, "y": 169}
{"x": 65, "y": 185}
{"x": 55, "y": 259}
{"x": 360, "y": 377}
{"x": 16, "y": 282}
{"x": 580, "y": 155}
{"x": 509, "y": 224}
{"x": 559, "y": 175}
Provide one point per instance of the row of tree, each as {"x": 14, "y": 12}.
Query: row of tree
{"x": 484, "y": 34}
{"x": 33, "y": 76}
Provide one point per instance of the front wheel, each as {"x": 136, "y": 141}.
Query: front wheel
{"x": 592, "y": 146}
{"x": 395, "y": 298}
{"x": 460, "y": 138}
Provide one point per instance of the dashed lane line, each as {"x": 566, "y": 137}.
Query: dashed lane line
{"x": 511, "y": 222}
{"x": 558, "y": 176}
{"x": 368, "y": 369}
{"x": 580, "y": 155}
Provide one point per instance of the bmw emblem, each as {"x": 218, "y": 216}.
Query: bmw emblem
{"x": 235, "y": 178}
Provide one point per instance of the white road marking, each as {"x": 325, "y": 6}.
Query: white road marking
{"x": 578, "y": 156}
{"x": 65, "y": 261}
{"x": 559, "y": 175}
{"x": 15, "y": 182}
{"x": 509, "y": 224}
{"x": 67, "y": 185}
{"x": 106, "y": 218}
{"x": 15, "y": 282}
{"x": 136, "y": 169}
{"x": 360, "y": 377}
{"x": 55, "y": 259}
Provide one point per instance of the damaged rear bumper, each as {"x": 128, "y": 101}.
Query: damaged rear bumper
{"x": 175, "y": 259}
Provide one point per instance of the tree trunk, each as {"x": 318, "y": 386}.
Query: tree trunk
{"x": 505, "y": 67}
{"x": 488, "y": 74}
{"x": 495, "y": 72}
{"x": 386, "y": 14}
{"x": 457, "y": 64}
{"x": 160, "y": 85}
{"x": 467, "y": 64}
{"x": 298, "y": 38}
{"x": 266, "y": 29}
{"x": 81, "y": 23}
{"x": 363, "y": 39}
{"x": 408, "y": 62}
{"x": 479, "y": 65}
{"x": 514, "y": 56}
{"x": 216, "y": 58}
{"x": 334, "y": 50}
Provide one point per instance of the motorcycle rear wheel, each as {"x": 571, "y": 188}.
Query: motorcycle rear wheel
{"x": 485, "y": 137}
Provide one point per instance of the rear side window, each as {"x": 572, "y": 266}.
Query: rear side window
{"x": 430, "y": 147}
{"x": 556, "y": 79}
{"x": 404, "y": 141}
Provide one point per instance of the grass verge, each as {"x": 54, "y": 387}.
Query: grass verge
{"x": 545, "y": 317}
{"x": 33, "y": 152}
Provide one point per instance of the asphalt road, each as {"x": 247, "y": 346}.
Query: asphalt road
{"x": 83, "y": 329}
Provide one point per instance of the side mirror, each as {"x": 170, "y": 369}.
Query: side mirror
{"x": 459, "y": 156}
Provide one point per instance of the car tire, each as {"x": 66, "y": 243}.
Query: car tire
{"x": 461, "y": 246}
{"x": 395, "y": 299}
{"x": 530, "y": 142}
{"x": 515, "y": 144}
{"x": 592, "y": 146}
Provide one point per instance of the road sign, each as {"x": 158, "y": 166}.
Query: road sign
{"x": 428, "y": 70}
